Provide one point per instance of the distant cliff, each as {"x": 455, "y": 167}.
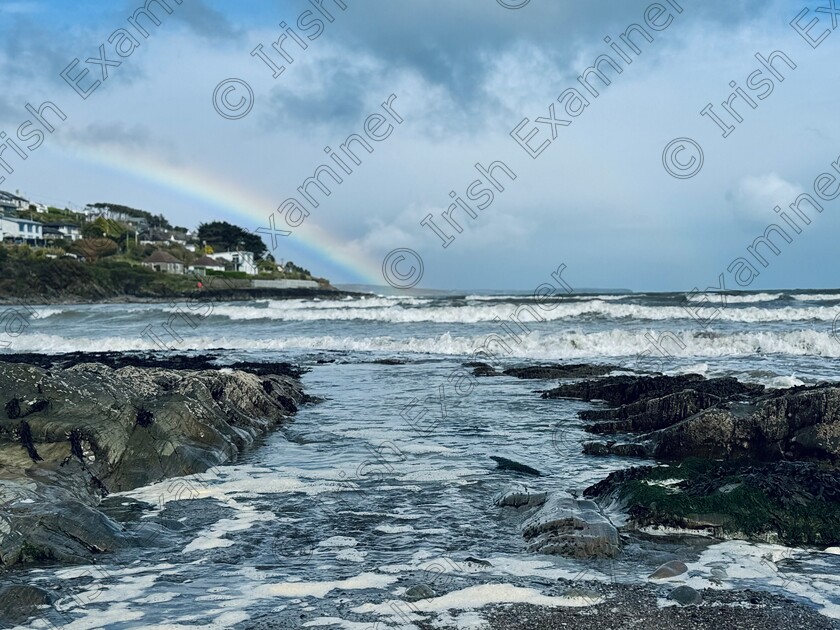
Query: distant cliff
{"x": 62, "y": 280}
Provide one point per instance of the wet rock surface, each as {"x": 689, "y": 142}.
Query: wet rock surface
{"x": 675, "y": 417}
{"x": 503, "y": 463}
{"x": 796, "y": 503}
{"x": 74, "y": 431}
{"x": 571, "y": 527}
{"x": 743, "y": 462}
{"x": 544, "y": 372}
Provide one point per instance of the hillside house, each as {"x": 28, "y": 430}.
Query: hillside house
{"x": 17, "y": 230}
{"x": 205, "y": 264}
{"x": 164, "y": 262}
{"x": 241, "y": 261}
{"x": 11, "y": 202}
{"x": 68, "y": 231}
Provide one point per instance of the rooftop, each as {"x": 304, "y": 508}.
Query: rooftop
{"x": 163, "y": 257}
{"x": 206, "y": 261}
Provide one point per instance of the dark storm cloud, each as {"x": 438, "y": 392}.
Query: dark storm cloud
{"x": 119, "y": 134}
{"x": 206, "y": 21}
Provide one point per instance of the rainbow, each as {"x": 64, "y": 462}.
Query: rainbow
{"x": 233, "y": 201}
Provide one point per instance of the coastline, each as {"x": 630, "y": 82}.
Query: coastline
{"x": 228, "y": 295}
{"x": 79, "y": 427}
{"x": 77, "y": 487}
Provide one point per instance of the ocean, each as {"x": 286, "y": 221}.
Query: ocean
{"x": 388, "y": 482}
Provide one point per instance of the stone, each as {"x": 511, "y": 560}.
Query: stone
{"x": 19, "y": 602}
{"x": 571, "y": 527}
{"x": 520, "y": 497}
{"x": 98, "y": 428}
{"x": 477, "y": 561}
{"x": 417, "y": 592}
{"x": 669, "y": 570}
{"x": 508, "y": 464}
{"x": 686, "y": 596}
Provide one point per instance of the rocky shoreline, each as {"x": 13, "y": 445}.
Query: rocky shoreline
{"x": 728, "y": 460}
{"x": 80, "y": 426}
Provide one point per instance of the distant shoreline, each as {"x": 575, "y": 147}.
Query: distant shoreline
{"x": 227, "y": 295}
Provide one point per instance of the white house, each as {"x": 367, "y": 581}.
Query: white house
{"x": 69, "y": 231}
{"x": 242, "y": 261}
{"x": 13, "y": 229}
{"x": 8, "y": 200}
{"x": 204, "y": 264}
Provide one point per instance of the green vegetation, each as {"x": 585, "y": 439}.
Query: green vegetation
{"x": 154, "y": 221}
{"x": 223, "y": 236}
{"x": 27, "y": 273}
{"x": 107, "y": 261}
{"x": 794, "y": 503}
{"x": 53, "y": 215}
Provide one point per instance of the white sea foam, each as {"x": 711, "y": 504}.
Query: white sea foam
{"x": 538, "y": 345}
{"x": 321, "y": 589}
{"x": 759, "y": 565}
{"x": 473, "y": 597}
{"x": 745, "y": 298}
{"x": 816, "y": 297}
{"x": 557, "y": 311}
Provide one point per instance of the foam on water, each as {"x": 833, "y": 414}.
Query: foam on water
{"x": 757, "y": 565}
{"x": 557, "y": 311}
{"x": 537, "y": 345}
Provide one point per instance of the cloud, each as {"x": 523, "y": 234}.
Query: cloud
{"x": 755, "y": 196}
{"x": 17, "y": 8}
{"x": 110, "y": 134}
{"x": 205, "y": 21}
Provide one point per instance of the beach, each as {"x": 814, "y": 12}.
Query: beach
{"x": 404, "y": 484}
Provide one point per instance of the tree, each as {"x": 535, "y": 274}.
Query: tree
{"x": 222, "y": 236}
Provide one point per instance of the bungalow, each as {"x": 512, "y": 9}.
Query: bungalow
{"x": 204, "y": 264}
{"x": 242, "y": 261}
{"x": 165, "y": 262}
{"x": 20, "y": 230}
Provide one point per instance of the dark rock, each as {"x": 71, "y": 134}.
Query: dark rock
{"x": 508, "y": 464}
{"x": 19, "y": 602}
{"x": 417, "y": 592}
{"x": 482, "y": 369}
{"x": 478, "y": 561}
{"x": 689, "y": 416}
{"x": 389, "y": 361}
{"x": 95, "y": 429}
{"x": 624, "y": 390}
{"x": 25, "y": 433}
{"x": 520, "y": 497}
{"x": 670, "y": 569}
{"x": 601, "y": 449}
{"x": 557, "y": 371}
{"x": 146, "y": 418}
{"x": 686, "y": 596}
{"x": 652, "y": 413}
{"x": 13, "y": 409}
{"x": 793, "y": 502}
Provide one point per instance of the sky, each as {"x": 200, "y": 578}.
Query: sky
{"x": 461, "y": 77}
